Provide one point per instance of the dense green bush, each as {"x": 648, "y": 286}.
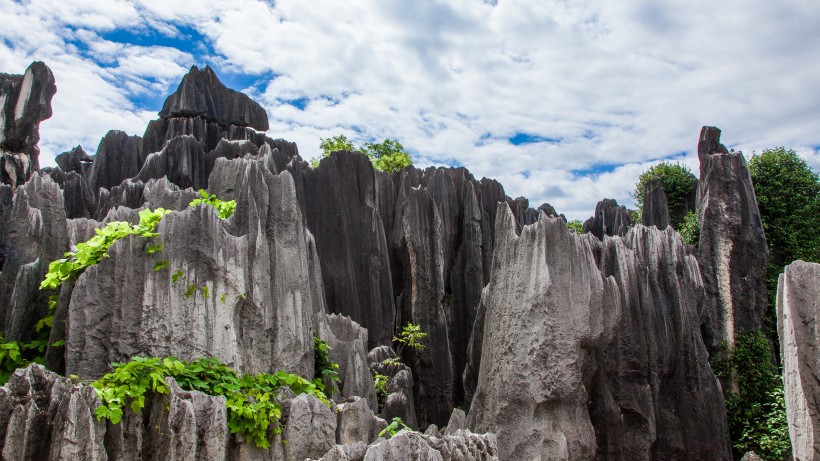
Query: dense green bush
{"x": 577, "y": 225}
{"x": 388, "y": 155}
{"x": 252, "y": 400}
{"x": 325, "y": 370}
{"x": 690, "y": 229}
{"x": 678, "y": 182}
{"x": 755, "y": 409}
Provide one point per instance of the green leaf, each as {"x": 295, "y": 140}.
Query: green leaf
{"x": 160, "y": 265}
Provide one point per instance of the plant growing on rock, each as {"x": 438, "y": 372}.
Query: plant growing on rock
{"x": 394, "y": 428}
{"x": 325, "y": 370}
{"x": 224, "y": 208}
{"x": 409, "y": 336}
{"x": 252, "y": 401}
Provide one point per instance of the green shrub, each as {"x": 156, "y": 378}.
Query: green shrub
{"x": 678, "y": 182}
{"x": 394, "y": 427}
{"x": 690, "y": 229}
{"x": 325, "y": 370}
{"x": 252, "y": 400}
{"x": 380, "y": 381}
{"x": 388, "y": 155}
{"x": 224, "y": 208}
{"x": 755, "y": 410}
{"x": 577, "y": 225}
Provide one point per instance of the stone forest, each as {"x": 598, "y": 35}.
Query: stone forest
{"x": 202, "y": 292}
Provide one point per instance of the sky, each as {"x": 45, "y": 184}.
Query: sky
{"x": 564, "y": 102}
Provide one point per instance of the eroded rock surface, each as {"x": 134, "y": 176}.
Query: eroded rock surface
{"x": 609, "y": 219}
{"x": 732, "y": 251}
{"x": 25, "y": 101}
{"x": 547, "y": 303}
{"x": 798, "y": 323}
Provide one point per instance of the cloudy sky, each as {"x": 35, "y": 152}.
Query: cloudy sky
{"x": 565, "y": 102}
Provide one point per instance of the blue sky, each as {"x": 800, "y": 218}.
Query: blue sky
{"x": 563, "y": 102}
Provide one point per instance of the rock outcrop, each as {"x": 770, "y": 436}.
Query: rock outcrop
{"x": 653, "y": 393}
{"x": 609, "y": 219}
{"x": 798, "y": 323}
{"x": 732, "y": 253}
{"x": 547, "y": 304}
{"x": 25, "y": 101}
{"x": 655, "y": 211}
{"x": 240, "y": 290}
{"x": 348, "y": 349}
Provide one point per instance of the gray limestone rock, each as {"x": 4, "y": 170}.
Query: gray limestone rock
{"x": 182, "y": 160}
{"x": 653, "y": 394}
{"x": 36, "y": 236}
{"x": 348, "y": 348}
{"x": 462, "y": 446}
{"x": 458, "y": 421}
{"x": 609, "y": 219}
{"x": 76, "y": 160}
{"x": 356, "y": 422}
{"x": 798, "y": 324}
{"x": 25, "y": 101}
{"x": 244, "y": 291}
{"x": 751, "y": 456}
{"x": 310, "y": 429}
{"x": 732, "y": 252}
{"x": 399, "y": 401}
{"x": 547, "y": 304}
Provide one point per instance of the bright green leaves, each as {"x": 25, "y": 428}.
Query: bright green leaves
{"x": 176, "y": 275}
{"x": 91, "y": 252}
{"x": 388, "y": 155}
{"x": 224, "y": 208}
{"x": 10, "y": 359}
{"x": 410, "y": 336}
{"x": 325, "y": 370}
{"x": 394, "y": 427}
{"x": 380, "y": 382}
{"x": 160, "y": 265}
{"x": 252, "y": 401}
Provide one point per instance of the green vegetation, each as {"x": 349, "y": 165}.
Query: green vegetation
{"x": 678, "y": 182}
{"x": 577, "y": 225}
{"x": 756, "y": 411}
{"x": 409, "y": 336}
{"x": 325, "y": 370}
{"x": 388, "y": 155}
{"x": 380, "y": 382}
{"x": 690, "y": 229}
{"x": 252, "y": 400}
{"x": 95, "y": 249}
{"x": 394, "y": 427}
{"x": 224, "y": 208}
{"x": 788, "y": 196}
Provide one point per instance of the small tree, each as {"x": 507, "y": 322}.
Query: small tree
{"x": 678, "y": 182}
{"x": 388, "y": 155}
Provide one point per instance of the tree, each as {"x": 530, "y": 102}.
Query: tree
{"x": 388, "y": 155}
{"x": 678, "y": 182}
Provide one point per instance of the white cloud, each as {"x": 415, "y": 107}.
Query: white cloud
{"x": 620, "y": 84}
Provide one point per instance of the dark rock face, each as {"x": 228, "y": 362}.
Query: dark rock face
{"x": 654, "y": 395}
{"x": 546, "y": 303}
{"x": 655, "y": 211}
{"x": 25, "y": 101}
{"x": 732, "y": 252}
{"x": 798, "y": 323}
{"x": 76, "y": 160}
{"x": 609, "y": 219}
{"x": 339, "y": 203}
{"x": 36, "y": 235}
{"x": 201, "y": 94}
{"x": 119, "y": 157}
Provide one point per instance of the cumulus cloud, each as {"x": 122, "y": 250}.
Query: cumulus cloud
{"x": 600, "y": 90}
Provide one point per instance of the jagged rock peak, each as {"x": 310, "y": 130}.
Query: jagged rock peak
{"x": 25, "y": 101}
{"x": 201, "y": 94}
{"x": 798, "y": 324}
{"x": 610, "y": 219}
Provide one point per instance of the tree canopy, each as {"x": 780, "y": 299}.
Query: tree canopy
{"x": 388, "y": 155}
{"x": 677, "y": 181}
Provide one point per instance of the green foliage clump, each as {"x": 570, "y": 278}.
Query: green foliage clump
{"x": 690, "y": 229}
{"x": 409, "y": 336}
{"x": 11, "y": 358}
{"x": 325, "y": 370}
{"x": 95, "y": 249}
{"x": 394, "y": 428}
{"x": 224, "y": 208}
{"x": 380, "y": 382}
{"x": 756, "y": 412}
{"x": 677, "y": 181}
{"x": 577, "y": 225}
{"x": 388, "y": 155}
{"x": 252, "y": 400}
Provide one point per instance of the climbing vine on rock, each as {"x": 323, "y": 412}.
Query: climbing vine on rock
{"x": 252, "y": 401}
{"x": 325, "y": 370}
